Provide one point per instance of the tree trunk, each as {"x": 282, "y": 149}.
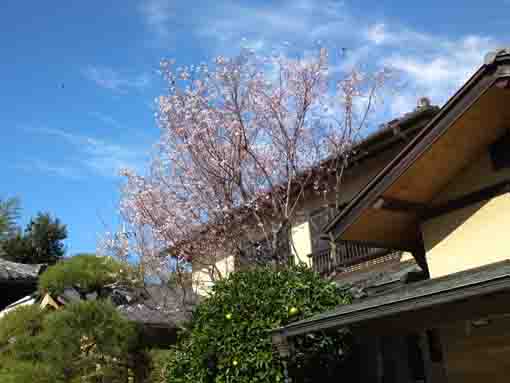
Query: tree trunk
{"x": 281, "y": 244}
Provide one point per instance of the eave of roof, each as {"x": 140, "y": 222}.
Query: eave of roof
{"x": 401, "y": 125}
{"x": 478, "y": 84}
{"x": 494, "y": 278}
{"x": 11, "y": 272}
{"x": 392, "y": 132}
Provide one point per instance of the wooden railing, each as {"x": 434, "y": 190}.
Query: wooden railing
{"x": 346, "y": 255}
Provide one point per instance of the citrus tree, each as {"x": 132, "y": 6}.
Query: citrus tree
{"x": 229, "y": 341}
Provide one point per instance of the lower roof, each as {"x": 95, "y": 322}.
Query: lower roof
{"x": 385, "y": 273}
{"x": 18, "y": 272}
{"x": 477, "y": 282}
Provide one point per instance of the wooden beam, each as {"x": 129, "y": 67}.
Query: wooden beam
{"x": 387, "y": 203}
{"x": 49, "y": 301}
{"x": 474, "y": 89}
{"x": 420, "y": 256}
{"x": 380, "y": 245}
{"x": 471, "y": 308}
{"x": 481, "y": 195}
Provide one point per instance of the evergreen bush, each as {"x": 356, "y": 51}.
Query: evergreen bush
{"x": 229, "y": 339}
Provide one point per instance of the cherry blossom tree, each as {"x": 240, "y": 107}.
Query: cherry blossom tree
{"x": 242, "y": 140}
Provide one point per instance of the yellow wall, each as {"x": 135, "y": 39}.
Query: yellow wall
{"x": 355, "y": 179}
{"x": 204, "y": 277}
{"x": 474, "y": 236}
{"x": 301, "y": 245}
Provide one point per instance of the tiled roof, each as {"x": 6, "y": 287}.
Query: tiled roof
{"x": 12, "y": 271}
{"x": 164, "y": 306}
{"x": 379, "y": 278}
{"x": 410, "y": 297}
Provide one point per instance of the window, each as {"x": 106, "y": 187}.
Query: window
{"x": 318, "y": 220}
{"x": 254, "y": 253}
{"x": 260, "y": 252}
{"x": 500, "y": 152}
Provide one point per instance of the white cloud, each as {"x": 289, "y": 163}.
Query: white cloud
{"x": 107, "y": 120}
{"x": 108, "y": 78}
{"x": 429, "y": 65}
{"x": 68, "y": 172}
{"x": 403, "y": 103}
{"x": 157, "y": 14}
{"x": 224, "y": 23}
{"x": 297, "y": 21}
{"x": 92, "y": 155}
{"x": 377, "y": 33}
{"x": 253, "y": 44}
{"x": 106, "y": 158}
{"x": 382, "y": 33}
{"x": 438, "y": 68}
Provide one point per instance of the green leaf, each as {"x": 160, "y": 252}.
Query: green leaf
{"x": 259, "y": 299}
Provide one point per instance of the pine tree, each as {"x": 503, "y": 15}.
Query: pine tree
{"x": 41, "y": 242}
{"x": 9, "y": 213}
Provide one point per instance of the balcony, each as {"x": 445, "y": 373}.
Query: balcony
{"x": 347, "y": 255}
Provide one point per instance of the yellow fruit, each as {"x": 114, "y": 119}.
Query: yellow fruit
{"x": 228, "y": 316}
{"x": 234, "y": 362}
{"x": 293, "y": 311}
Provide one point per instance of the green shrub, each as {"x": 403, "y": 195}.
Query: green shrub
{"x": 88, "y": 341}
{"x": 20, "y": 322}
{"x": 86, "y": 335}
{"x": 88, "y": 272}
{"x": 229, "y": 338}
{"x": 19, "y": 343}
{"x": 15, "y": 371}
{"x": 159, "y": 360}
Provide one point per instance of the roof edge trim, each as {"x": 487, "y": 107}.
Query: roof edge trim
{"x": 479, "y": 83}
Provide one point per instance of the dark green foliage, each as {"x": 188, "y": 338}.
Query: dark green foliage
{"x": 14, "y": 371}
{"x": 17, "y": 248}
{"x": 40, "y": 243}
{"x": 159, "y": 363}
{"x": 229, "y": 336}
{"x": 87, "y": 340}
{"x": 24, "y": 321}
{"x": 87, "y": 334}
{"x": 20, "y": 346}
{"x": 46, "y": 235}
{"x": 9, "y": 213}
{"x": 87, "y": 272}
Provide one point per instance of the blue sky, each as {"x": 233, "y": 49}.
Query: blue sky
{"x": 79, "y": 78}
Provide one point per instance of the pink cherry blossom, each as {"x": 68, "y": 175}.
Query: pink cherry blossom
{"x": 241, "y": 141}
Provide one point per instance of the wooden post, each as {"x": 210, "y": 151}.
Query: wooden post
{"x": 370, "y": 363}
{"x": 435, "y": 369}
{"x": 140, "y": 367}
{"x": 396, "y": 359}
{"x": 420, "y": 257}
